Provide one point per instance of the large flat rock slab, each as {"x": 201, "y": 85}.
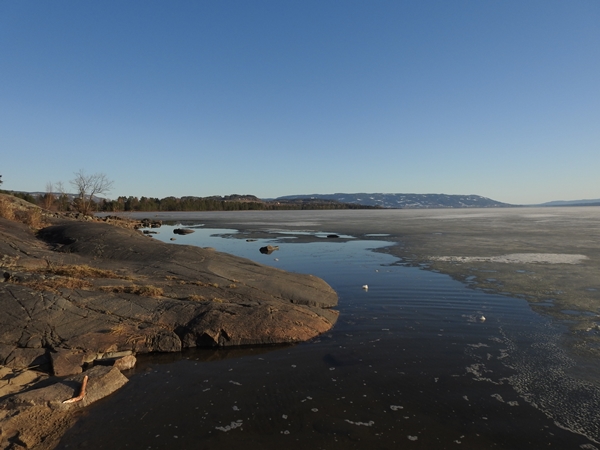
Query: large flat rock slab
{"x": 141, "y": 295}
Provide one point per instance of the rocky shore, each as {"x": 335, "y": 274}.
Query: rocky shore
{"x": 79, "y": 295}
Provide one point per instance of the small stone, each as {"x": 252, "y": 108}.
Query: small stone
{"x": 126, "y": 362}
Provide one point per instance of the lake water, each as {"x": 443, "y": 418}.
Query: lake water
{"x": 411, "y": 363}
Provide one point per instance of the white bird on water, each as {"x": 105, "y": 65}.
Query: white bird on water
{"x": 365, "y": 287}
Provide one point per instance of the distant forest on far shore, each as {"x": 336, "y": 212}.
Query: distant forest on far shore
{"x": 217, "y": 203}
{"x": 67, "y": 202}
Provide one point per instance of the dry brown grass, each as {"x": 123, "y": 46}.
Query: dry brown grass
{"x": 31, "y": 217}
{"x": 120, "y": 329}
{"x": 133, "y": 335}
{"x": 15, "y": 209}
{"x": 54, "y": 284}
{"x": 82, "y": 271}
{"x": 196, "y": 298}
{"x": 144, "y": 291}
{"x": 64, "y": 277}
{"x": 7, "y": 210}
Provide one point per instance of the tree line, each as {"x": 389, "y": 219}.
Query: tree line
{"x": 89, "y": 188}
{"x": 216, "y": 204}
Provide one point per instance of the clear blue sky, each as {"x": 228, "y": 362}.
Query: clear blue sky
{"x": 271, "y": 98}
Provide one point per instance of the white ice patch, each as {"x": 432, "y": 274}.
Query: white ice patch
{"x": 370, "y": 423}
{"x": 517, "y": 258}
{"x": 231, "y": 426}
{"x": 498, "y": 397}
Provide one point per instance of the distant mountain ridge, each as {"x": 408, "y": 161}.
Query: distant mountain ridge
{"x": 592, "y": 202}
{"x": 404, "y": 201}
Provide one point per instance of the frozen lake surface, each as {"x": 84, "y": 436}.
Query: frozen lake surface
{"x": 417, "y": 360}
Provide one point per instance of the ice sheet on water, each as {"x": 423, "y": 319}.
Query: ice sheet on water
{"x": 231, "y": 426}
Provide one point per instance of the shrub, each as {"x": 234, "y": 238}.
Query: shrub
{"x": 31, "y": 217}
{"x": 7, "y": 210}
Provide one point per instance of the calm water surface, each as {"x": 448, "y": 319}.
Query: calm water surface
{"x": 410, "y": 364}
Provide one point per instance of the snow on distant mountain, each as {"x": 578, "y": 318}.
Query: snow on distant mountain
{"x": 406, "y": 200}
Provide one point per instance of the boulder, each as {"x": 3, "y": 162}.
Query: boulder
{"x": 126, "y": 362}
{"x": 183, "y": 231}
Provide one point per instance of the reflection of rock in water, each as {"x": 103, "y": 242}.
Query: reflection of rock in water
{"x": 269, "y": 249}
{"x": 542, "y": 380}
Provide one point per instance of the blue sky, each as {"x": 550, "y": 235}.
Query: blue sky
{"x": 272, "y": 98}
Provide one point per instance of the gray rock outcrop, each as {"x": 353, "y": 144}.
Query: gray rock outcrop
{"x": 145, "y": 296}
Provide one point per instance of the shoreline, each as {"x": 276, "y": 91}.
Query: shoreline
{"x": 547, "y": 256}
{"x": 80, "y": 298}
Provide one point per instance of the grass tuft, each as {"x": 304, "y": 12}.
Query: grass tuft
{"x": 81, "y": 271}
{"x": 143, "y": 291}
{"x": 54, "y": 284}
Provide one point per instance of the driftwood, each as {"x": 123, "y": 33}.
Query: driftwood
{"x": 81, "y": 394}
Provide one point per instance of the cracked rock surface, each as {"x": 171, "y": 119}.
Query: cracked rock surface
{"x": 145, "y": 296}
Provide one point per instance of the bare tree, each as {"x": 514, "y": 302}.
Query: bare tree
{"x": 63, "y": 198}
{"x": 49, "y": 196}
{"x": 87, "y": 187}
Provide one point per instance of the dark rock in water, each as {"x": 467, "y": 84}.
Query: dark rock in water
{"x": 332, "y": 236}
{"x": 268, "y": 249}
{"x": 182, "y": 231}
